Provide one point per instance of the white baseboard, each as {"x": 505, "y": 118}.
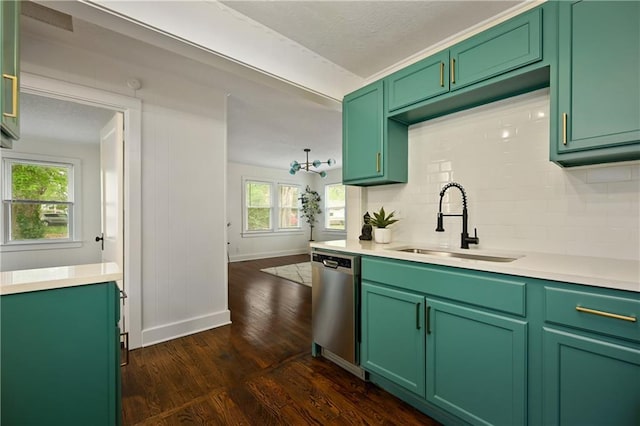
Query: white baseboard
{"x": 254, "y": 256}
{"x": 162, "y": 333}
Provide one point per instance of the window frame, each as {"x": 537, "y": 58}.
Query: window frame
{"x": 74, "y": 201}
{"x": 274, "y": 228}
{"x": 326, "y": 209}
{"x": 279, "y": 227}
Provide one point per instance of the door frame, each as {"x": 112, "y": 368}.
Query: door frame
{"x": 132, "y": 110}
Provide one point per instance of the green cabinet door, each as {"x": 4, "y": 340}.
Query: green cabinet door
{"x": 60, "y": 357}
{"x": 374, "y": 149}
{"x": 476, "y": 364}
{"x": 10, "y": 65}
{"x": 393, "y": 336}
{"x": 423, "y": 80}
{"x": 505, "y": 47}
{"x": 589, "y": 381}
{"x": 598, "y": 90}
{"x": 362, "y": 128}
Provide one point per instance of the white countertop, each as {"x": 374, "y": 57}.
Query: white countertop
{"x": 12, "y": 282}
{"x": 593, "y": 271}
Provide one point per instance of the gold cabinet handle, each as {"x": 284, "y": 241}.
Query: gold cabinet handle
{"x": 441, "y": 74}
{"x": 605, "y": 314}
{"x": 14, "y": 96}
{"x": 378, "y": 162}
{"x": 564, "y": 128}
{"x": 453, "y": 71}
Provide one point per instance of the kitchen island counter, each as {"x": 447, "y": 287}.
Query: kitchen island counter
{"x": 13, "y": 282}
{"x": 618, "y": 274}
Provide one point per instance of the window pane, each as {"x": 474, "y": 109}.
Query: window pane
{"x": 335, "y": 206}
{"x": 258, "y": 219}
{"x": 39, "y": 182}
{"x": 31, "y": 221}
{"x": 258, "y": 194}
{"x": 289, "y": 213}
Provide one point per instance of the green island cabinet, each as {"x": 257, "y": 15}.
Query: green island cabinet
{"x": 10, "y": 65}
{"x": 60, "y": 356}
{"x": 598, "y": 89}
{"x": 472, "y": 347}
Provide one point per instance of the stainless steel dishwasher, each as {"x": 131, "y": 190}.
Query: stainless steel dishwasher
{"x": 335, "y": 308}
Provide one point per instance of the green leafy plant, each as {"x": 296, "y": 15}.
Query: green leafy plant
{"x": 381, "y": 220}
{"x": 310, "y": 208}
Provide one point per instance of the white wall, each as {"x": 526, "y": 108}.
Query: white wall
{"x": 184, "y": 274}
{"x": 517, "y": 199}
{"x": 89, "y": 252}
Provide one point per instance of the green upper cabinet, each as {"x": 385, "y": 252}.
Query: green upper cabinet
{"x": 505, "y": 47}
{"x": 418, "y": 82}
{"x": 598, "y": 89}
{"x": 10, "y": 65}
{"x": 393, "y": 336}
{"x": 425, "y": 89}
{"x": 374, "y": 149}
{"x": 477, "y": 364}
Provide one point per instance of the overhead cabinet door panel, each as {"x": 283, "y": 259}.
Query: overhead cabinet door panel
{"x": 511, "y": 45}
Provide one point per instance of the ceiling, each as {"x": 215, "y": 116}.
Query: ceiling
{"x": 268, "y": 126}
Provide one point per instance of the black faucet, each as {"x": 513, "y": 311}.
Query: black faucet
{"x": 465, "y": 239}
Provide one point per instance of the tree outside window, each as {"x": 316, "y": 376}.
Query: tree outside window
{"x": 38, "y": 202}
{"x": 335, "y": 207}
{"x": 258, "y": 203}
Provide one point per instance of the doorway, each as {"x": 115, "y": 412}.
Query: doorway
{"x": 126, "y": 112}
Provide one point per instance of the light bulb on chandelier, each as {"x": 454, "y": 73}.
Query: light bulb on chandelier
{"x": 306, "y": 166}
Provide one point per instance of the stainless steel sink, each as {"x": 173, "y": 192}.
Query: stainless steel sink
{"x": 459, "y": 255}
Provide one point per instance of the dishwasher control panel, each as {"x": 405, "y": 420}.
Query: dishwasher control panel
{"x": 339, "y": 261}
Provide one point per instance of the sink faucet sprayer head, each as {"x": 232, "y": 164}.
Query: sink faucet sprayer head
{"x": 440, "y": 226}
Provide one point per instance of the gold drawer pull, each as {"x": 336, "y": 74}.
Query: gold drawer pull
{"x": 564, "y": 128}
{"x": 378, "y": 162}
{"x": 605, "y": 314}
{"x": 441, "y": 74}
{"x": 14, "y": 96}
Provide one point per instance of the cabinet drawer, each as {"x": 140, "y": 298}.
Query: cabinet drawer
{"x": 508, "y": 46}
{"x": 593, "y": 312}
{"x": 493, "y": 291}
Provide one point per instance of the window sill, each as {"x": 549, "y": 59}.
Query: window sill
{"x": 40, "y": 246}
{"x": 334, "y": 231}
{"x": 271, "y": 234}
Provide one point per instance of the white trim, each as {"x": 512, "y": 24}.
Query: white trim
{"x": 274, "y": 228}
{"x": 42, "y": 245}
{"x": 132, "y": 110}
{"x": 281, "y": 233}
{"x": 154, "y": 335}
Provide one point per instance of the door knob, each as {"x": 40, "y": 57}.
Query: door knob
{"x": 101, "y": 239}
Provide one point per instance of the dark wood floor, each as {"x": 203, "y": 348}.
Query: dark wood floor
{"x": 256, "y": 371}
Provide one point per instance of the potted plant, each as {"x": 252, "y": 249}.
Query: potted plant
{"x": 380, "y": 221}
{"x": 310, "y": 208}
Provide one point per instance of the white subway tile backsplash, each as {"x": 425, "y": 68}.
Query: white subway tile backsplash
{"x": 517, "y": 198}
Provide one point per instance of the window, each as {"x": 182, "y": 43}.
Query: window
{"x": 271, "y": 206}
{"x": 289, "y": 207}
{"x": 258, "y": 202}
{"x": 335, "y": 207}
{"x": 38, "y": 199}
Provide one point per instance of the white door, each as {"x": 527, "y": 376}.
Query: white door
{"x": 112, "y": 180}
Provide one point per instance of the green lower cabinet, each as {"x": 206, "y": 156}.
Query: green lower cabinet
{"x": 60, "y": 359}
{"x": 393, "y": 336}
{"x": 588, "y": 381}
{"x": 476, "y": 364}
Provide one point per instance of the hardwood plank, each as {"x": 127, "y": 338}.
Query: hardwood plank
{"x": 256, "y": 371}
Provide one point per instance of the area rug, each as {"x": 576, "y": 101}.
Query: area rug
{"x": 298, "y": 272}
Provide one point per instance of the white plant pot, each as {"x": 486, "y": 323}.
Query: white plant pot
{"x": 382, "y": 235}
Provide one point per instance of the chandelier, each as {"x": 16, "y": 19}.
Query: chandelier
{"x": 306, "y": 166}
